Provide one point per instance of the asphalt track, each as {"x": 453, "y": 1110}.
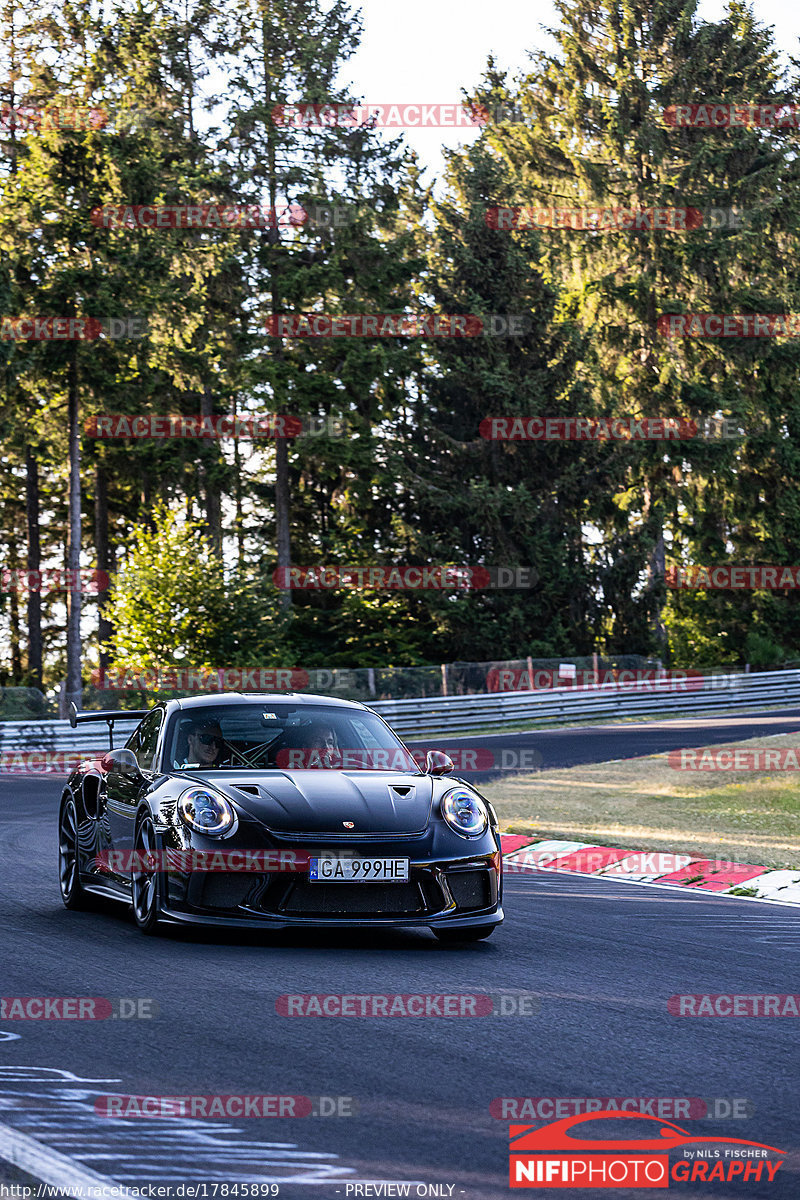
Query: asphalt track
{"x": 599, "y": 958}
{"x": 543, "y": 749}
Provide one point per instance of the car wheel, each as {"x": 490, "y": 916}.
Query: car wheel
{"x": 145, "y": 886}
{"x": 476, "y": 934}
{"x": 72, "y": 892}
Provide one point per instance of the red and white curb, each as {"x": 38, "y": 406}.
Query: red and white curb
{"x": 521, "y": 854}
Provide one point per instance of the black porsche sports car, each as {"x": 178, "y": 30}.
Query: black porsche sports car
{"x": 278, "y": 810}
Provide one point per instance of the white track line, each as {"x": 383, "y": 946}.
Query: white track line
{"x": 50, "y": 1167}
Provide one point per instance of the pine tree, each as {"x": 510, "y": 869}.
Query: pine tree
{"x": 468, "y": 498}
{"x": 594, "y": 135}
{"x": 355, "y": 260}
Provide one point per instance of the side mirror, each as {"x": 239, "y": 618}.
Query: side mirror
{"x": 122, "y": 762}
{"x": 438, "y": 763}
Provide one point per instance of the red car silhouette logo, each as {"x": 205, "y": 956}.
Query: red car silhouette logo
{"x": 556, "y": 1137}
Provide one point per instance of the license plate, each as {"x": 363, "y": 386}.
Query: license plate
{"x": 358, "y": 870}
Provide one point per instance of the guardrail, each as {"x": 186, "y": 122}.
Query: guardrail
{"x": 712, "y": 693}
{"x": 58, "y": 737}
{"x": 448, "y": 715}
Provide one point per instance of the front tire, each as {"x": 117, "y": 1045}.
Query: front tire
{"x": 72, "y": 892}
{"x": 476, "y": 934}
{"x": 145, "y": 884}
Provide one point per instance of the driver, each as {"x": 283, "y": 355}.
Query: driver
{"x": 322, "y": 737}
{"x": 323, "y": 745}
{"x": 205, "y": 744}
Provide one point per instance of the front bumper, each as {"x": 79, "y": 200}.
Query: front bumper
{"x": 453, "y": 894}
{"x": 176, "y": 917}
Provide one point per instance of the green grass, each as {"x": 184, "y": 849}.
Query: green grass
{"x": 646, "y": 804}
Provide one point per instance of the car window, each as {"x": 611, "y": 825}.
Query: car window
{"x": 369, "y": 737}
{"x": 145, "y": 739}
{"x": 274, "y": 735}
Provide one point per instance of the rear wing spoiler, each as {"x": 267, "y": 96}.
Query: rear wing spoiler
{"x": 118, "y": 714}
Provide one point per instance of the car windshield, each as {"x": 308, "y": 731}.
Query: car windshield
{"x": 272, "y": 735}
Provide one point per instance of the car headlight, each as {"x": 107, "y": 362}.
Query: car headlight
{"x": 206, "y": 812}
{"x": 465, "y": 812}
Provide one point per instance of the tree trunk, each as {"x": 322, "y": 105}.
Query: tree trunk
{"x": 658, "y": 570}
{"x": 105, "y": 564}
{"x": 282, "y": 508}
{"x": 237, "y": 494}
{"x": 212, "y": 492}
{"x": 656, "y": 567}
{"x": 146, "y": 501}
{"x": 283, "y": 545}
{"x": 34, "y": 563}
{"x": 72, "y": 690}
{"x": 13, "y": 615}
